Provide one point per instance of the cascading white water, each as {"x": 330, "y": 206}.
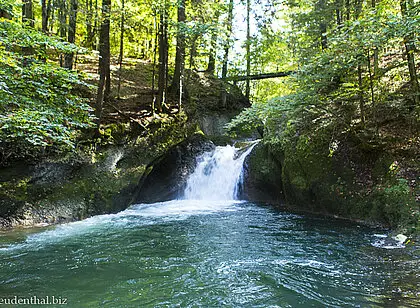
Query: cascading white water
{"x": 217, "y": 174}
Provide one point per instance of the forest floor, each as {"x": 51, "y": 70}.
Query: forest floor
{"x": 135, "y": 98}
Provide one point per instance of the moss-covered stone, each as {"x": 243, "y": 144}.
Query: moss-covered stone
{"x": 262, "y": 176}
{"x": 352, "y": 182}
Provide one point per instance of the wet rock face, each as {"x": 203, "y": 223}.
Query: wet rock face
{"x": 166, "y": 177}
{"x": 51, "y": 192}
{"x": 262, "y": 177}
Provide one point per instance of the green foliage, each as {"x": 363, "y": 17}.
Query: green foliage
{"x": 38, "y": 104}
{"x": 14, "y": 36}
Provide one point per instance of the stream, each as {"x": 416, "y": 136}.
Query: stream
{"x": 209, "y": 250}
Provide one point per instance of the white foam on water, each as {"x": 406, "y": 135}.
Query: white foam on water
{"x": 385, "y": 242}
{"x": 136, "y": 215}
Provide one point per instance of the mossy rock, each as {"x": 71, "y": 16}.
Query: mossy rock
{"x": 165, "y": 178}
{"x": 262, "y": 180}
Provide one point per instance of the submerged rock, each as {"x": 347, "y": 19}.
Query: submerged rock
{"x": 165, "y": 178}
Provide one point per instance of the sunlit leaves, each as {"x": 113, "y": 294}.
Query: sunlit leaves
{"x": 38, "y": 106}
{"x": 13, "y": 36}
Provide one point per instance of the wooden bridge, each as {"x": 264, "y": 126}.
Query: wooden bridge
{"x": 259, "y": 76}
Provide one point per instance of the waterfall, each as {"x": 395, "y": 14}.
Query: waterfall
{"x": 218, "y": 174}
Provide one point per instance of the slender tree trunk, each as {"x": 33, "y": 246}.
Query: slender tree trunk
{"x": 95, "y": 27}
{"x": 248, "y": 48}
{"x": 154, "y": 62}
{"x": 338, "y": 12}
{"x": 62, "y": 19}
{"x": 372, "y": 93}
{"x": 193, "y": 51}
{"x": 90, "y": 33}
{"x": 104, "y": 59}
{"x": 409, "y": 43}
{"x": 53, "y": 16}
{"x": 360, "y": 71}
{"x": 28, "y": 13}
{"x": 68, "y": 58}
{"x": 227, "y": 43}
{"x": 361, "y": 99}
{"x": 211, "y": 67}
{"x": 163, "y": 58}
{"x": 322, "y": 25}
{"x": 121, "y": 55}
{"x": 46, "y": 10}
{"x": 227, "y": 48}
{"x": 348, "y": 10}
{"x": 180, "y": 51}
{"x": 375, "y": 50}
{"x": 27, "y": 19}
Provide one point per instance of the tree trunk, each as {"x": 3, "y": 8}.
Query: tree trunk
{"x": 27, "y": 19}
{"x": 53, "y": 16}
{"x": 361, "y": 99}
{"x": 90, "y": 30}
{"x": 68, "y": 58}
{"x": 227, "y": 43}
{"x": 154, "y": 61}
{"x": 322, "y": 25}
{"x": 375, "y": 50}
{"x": 338, "y": 12}
{"x": 348, "y": 10}
{"x": 180, "y": 51}
{"x": 248, "y": 48}
{"x": 62, "y": 19}
{"x": 28, "y": 13}
{"x": 163, "y": 59}
{"x": 104, "y": 59}
{"x": 409, "y": 43}
{"x": 121, "y": 55}
{"x": 211, "y": 67}
{"x": 46, "y": 10}
{"x": 372, "y": 93}
{"x": 193, "y": 51}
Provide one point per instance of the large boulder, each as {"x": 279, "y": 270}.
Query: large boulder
{"x": 165, "y": 178}
{"x": 262, "y": 177}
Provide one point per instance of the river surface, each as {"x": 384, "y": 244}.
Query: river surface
{"x": 188, "y": 253}
{"x": 208, "y": 250}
